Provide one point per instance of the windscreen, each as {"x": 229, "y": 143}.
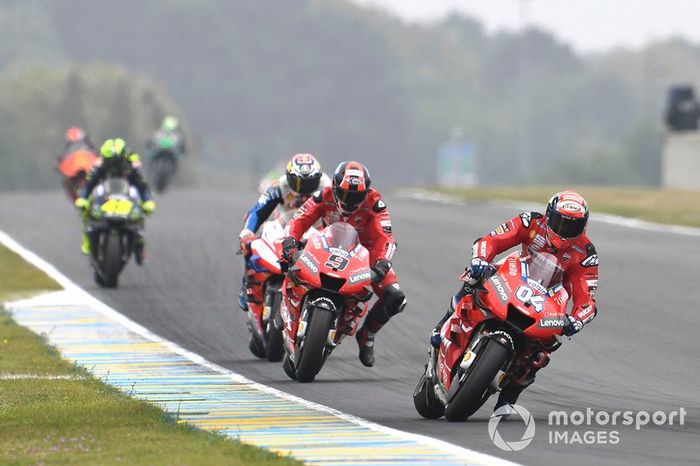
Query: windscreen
{"x": 544, "y": 268}
{"x": 342, "y": 236}
{"x": 116, "y": 186}
{"x": 285, "y": 216}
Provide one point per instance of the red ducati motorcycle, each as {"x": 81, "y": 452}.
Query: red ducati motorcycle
{"x": 521, "y": 308}
{"x": 325, "y": 296}
{"x": 264, "y": 321}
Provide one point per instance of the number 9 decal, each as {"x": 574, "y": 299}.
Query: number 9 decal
{"x": 336, "y": 262}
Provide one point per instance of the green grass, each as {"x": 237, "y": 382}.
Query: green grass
{"x": 82, "y": 420}
{"x": 656, "y": 205}
{"x": 19, "y": 279}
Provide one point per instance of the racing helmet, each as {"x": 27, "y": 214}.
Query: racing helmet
{"x": 170, "y": 123}
{"x": 351, "y": 184}
{"x": 303, "y": 173}
{"x": 75, "y": 134}
{"x": 114, "y": 154}
{"x": 567, "y": 216}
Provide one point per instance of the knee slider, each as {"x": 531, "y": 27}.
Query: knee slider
{"x": 394, "y": 300}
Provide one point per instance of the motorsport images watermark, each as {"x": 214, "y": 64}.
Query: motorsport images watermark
{"x": 587, "y": 427}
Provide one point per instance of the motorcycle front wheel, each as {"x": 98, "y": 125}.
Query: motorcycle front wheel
{"x": 112, "y": 259}
{"x": 470, "y": 396}
{"x": 311, "y": 357}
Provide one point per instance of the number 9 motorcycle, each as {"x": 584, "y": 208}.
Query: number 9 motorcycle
{"x": 325, "y": 296}
{"x": 521, "y": 307}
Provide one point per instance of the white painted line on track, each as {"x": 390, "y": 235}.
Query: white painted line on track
{"x": 75, "y": 294}
{"x": 432, "y": 196}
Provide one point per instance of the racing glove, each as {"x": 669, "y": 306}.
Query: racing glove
{"x": 81, "y": 203}
{"x": 246, "y": 236}
{"x": 573, "y": 326}
{"x": 476, "y": 270}
{"x": 149, "y": 206}
{"x": 380, "y": 268}
{"x": 290, "y": 246}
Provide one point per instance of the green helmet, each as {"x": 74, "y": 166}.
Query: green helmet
{"x": 170, "y": 123}
{"x": 113, "y": 148}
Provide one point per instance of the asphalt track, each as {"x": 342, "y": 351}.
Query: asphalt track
{"x": 639, "y": 354}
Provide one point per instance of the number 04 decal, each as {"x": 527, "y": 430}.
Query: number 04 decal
{"x": 526, "y": 295}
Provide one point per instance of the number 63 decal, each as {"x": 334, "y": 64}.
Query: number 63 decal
{"x": 526, "y": 295}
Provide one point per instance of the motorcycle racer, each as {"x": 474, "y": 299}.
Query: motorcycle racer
{"x": 117, "y": 160}
{"x": 302, "y": 177}
{"x": 76, "y": 141}
{"x": 169, "y": 128}
{"x": 561, "y": 232}
{"x": 75, "y": 138}
{"x": 350, "y": 199}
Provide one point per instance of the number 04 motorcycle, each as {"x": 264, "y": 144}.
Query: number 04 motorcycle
{"x": 520, "y": 308}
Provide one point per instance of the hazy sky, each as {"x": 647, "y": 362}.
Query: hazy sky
{"x": 588, "y": 25}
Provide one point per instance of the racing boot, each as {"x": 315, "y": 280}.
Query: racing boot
{"x": 435, "y": 337}
{"x": 525, "y": 376}
{"x": 242, "y": 303}
{"x": 139, "y": 251}
{"x": 85, "y": 245}
{"x": 365, "y": 340}
{"x": 508, "y": 397}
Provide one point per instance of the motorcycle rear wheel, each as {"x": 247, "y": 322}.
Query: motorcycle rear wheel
{"x": 311, "y": 357}
{"x": 470, "y": 396}
{"x": 425, "y": 401}
{"x": 256, "y": 346}
{"x": 288, "y": 367}
{"x": 274, "y": 349}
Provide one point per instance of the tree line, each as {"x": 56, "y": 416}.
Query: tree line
{"x": 257, "y": 81}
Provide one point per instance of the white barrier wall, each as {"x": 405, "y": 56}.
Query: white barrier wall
{"x": 681, "y": 160}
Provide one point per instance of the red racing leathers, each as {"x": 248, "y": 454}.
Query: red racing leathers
{"x": 373, "y": 224}
{"x": 579, "y": 261}
{"x": 580, "y": 264}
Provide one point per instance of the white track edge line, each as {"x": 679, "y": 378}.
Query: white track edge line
{"x": 104, "y": 309}
{"x": 611, "y": 219}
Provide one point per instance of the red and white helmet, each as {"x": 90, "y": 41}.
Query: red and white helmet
{"x": 567, "y": 216}
{"x": 350, "y": 186}
{"x": 303, "y": 173}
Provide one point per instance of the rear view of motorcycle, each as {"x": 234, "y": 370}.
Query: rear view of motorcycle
{"x": 164, "y": 158}
{"x": 115, "y": 217}
{"x": 518, "y": 311}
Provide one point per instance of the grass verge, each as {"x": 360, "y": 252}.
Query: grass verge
{"x": 656, "y": 205}
{"x": 76, "y": 419}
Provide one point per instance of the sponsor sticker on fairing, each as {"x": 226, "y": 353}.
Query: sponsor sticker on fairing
{"x": 513, "y": 267}
{"x": 551, "y": 322}
{"x": 309, "y": 263}
{"x": 339, "y": 252}
{"x": 500, "y": 289}
{"x": 359, "y": 277}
